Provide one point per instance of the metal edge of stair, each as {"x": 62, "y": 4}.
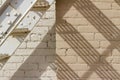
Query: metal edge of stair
{"x": 13, "y": 14}
{"x": 18, "y": 30}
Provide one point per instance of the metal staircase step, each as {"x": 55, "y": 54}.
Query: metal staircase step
{"x": 3, "y": 5}
{"x": 25, "y": 21}
{"x": 20, "y": 31}
{"x": 3, "y": 56}
{"x": 12, "y": 16}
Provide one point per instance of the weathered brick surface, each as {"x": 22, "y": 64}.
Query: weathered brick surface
{"x": 34, "y": 57}
{"x": 87, "y": 39}
{"x": 83, "y": 45}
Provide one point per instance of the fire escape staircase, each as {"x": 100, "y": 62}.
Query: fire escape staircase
{"x": 17, "y": 18}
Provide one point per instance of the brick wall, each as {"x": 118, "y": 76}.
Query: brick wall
{"x": 82, "y": 45}
{"x": 87, "y": 39}
{"x": 34, "y": 57}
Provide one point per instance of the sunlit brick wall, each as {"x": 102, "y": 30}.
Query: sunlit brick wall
{"x": 34, "y": 57}
{"x": 87, "y": 39}
{"x": 82, "y": 45}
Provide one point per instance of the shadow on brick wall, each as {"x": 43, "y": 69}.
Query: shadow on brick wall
{"x": 41, "y": 61}
{"x": 38, "y": 61}
{"x": 117, "y": 1}
{"x": 100, "y": 22}
{"x": 81, "y": 46}
{"x": 84, "y": 49}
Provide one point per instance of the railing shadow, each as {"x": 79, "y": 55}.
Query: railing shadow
{"x": 100, "y": 22}
{"x": 80, "y": 45}
{"x": 64, "y": 72}
{"x": 86, "y": 51}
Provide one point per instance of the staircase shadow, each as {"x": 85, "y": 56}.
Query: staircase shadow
{"x": 84, "y": 49}
{"x": 35, "y": 65}
{"x": 80, "y": 45}
{"x": 100, "y": 22}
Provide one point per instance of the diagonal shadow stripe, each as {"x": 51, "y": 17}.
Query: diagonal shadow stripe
{"x": 100, "y": 22}
{"x": 118, "y": 2}
{"x": 86, "y": 51}
{"x": 76, "y": 4}
{"x": 35, "y": 57}
{"x": 64, "y": 72}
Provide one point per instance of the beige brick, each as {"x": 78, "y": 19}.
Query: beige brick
{"x": 93, "y": 75}
{"x": 50, "y": 73}
{"x": 104, "y": 44}
{"x": 87, "y": 29}
{"x": 46, "y": 38}
{"x": 29, "y": 78}
{"x": 42, "y": 22}
{"x": 99, "y": 36}
{"x": 50, "y": 59}
{"x": 115, "y": 6}
{"x": 95, "y": 44}
{"x": 36, "y": 59}
{"x": 59, "y": 44}
{"x": 111, "y": 13}
{"x": 23, "y": 45}
{"x": 36, "y": 45}
{"x": 115, "y": 52}
{"x": 51, "y": 44}
{"x": 32, "y": 73}
{"x": 52, "y": 7}
{"x": 1, "y": 73}
{"x": 40, "y": 30}
{"x": 69, "y": 59}
{"x": 103, "y": 5}
{"x": 16, "y": 59}
{"x": 34, "y": 37}
{"x": 104, "y": 52}
{"x": 25, "y": 52}
{"x": 44, "y": 66}
{"x": 8, "y": 66}
{"x": 48, "y": 78}
{"x": 103, "y": 0}
{"x": 77, "y": 21}
{"x": 18, "y": 78}
{"x": 116, "y": 67}
{"x": 17, "y": 74}
{"x": 0, "y": 2}
{"x": 4, "y": 78}
{"x": 49, "y": 15}
{"x": 71, "y": 52}
{"x": 108, "y": 45}
{"x": 71, "y": 14}
{"x": 79, "y": 67}
{"x": 44, "y": 52}
{"x": 107, "y": 36}
{"x": 81, "y": 61}
{"x": 59, "y": 38}
{"x": 61, "y": 52}
{"x": 28, "y": 67}
{"x": 116, "y": 21}
{"x": 88, "y": 36}
{"x": 111, "y": 59}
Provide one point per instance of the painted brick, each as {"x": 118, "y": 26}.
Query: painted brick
{"x": 69, "y": 59}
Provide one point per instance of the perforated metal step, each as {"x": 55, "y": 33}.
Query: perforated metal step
{"x": 23, "y": 27}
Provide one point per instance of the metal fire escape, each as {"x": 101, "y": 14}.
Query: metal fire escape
{"x": 17, "y": 18}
